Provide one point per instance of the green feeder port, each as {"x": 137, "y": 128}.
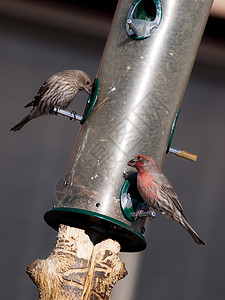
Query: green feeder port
{"x": 180, "y": 153}
{"x": 143, "y": 18}
{"x": 130, "y": 199}
{"x": 91, "y": 100}
{"x": 172, "y": 130}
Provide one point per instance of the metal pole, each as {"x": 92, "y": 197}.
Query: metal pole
{"x": 142, "y": 81}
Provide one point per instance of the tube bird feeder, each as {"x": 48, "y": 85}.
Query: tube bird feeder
{"x": 141, "y": 81}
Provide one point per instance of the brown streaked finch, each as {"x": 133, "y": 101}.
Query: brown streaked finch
{"x": 159, "y": 194}
{"x": 57, "y": 91}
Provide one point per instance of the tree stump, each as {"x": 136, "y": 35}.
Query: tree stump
{"x": 76, "y": 269}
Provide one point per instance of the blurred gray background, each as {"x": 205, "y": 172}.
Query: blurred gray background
{"x": 39, "y": 38}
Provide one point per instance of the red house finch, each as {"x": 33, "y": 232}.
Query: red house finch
{"x": 57, "y": 91}
{"x": 158, "y": 193}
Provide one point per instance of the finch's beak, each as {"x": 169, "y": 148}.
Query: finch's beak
{"x": 88, "y": 89}
{"x": 132, "y": 163}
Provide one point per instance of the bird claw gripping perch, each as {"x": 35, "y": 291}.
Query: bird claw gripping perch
{"x": 66, "y": 113}
{"x": 90, "y": 104}
{"x": 74, "y": 115}
{"x": 55, "y": 109}
{"x": 143, "y": 213}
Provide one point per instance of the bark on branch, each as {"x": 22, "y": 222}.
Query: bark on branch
{"x": 76, "y": 269}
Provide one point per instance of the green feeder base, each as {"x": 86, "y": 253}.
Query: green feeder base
{"x": 99, "y": 227}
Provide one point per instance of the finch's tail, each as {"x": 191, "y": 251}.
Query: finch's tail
{"x": 19, "y": 125}
{"x": 191, "y": 231}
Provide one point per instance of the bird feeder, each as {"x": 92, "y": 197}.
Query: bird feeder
{"x": 142, "y": 78}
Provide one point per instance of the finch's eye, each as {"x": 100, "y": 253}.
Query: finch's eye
{"x": 88, "y": 82}
{"x": 138, "y": 157}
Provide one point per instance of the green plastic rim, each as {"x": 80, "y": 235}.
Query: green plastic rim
{"x": 97, "y": 226}
{"x": 142, "y": 15}
{"x": 130, "y": 203}
{"x": 127, "y": 206}
{"x": 172, "y": 130}
{"x": 91, "y": 100}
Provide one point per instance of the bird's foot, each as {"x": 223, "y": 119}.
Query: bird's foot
{"x": 151, "y": 214}
{"x": 56, "y": 109}
{"x": 74, "y": 115}
{"x": 144, "y": 213}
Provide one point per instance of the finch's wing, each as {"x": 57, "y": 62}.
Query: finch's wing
{"x": 167, "y": 189}
{"x": 43, "y": 89}
{"x": 29, "y": 104}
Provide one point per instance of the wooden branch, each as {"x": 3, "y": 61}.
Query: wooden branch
{"x": 76, "y": 269}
